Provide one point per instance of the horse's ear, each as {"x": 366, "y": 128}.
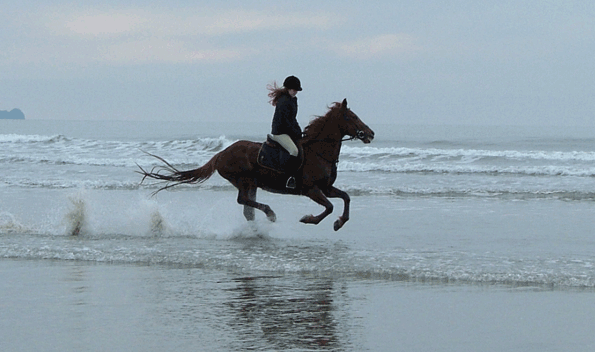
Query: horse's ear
{"x": 344, "y": 103}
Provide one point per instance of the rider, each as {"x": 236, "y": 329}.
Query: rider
{"x": 285, "y": 129}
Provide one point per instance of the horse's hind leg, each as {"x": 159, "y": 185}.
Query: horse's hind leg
{"x": 248, "y": 210}
{"x": 247, "y": 196}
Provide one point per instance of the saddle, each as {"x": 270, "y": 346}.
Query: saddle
{"x": 273, "y": 156}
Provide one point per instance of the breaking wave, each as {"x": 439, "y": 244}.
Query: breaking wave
{"x": 467, "y": 161}
{"x": 270, "y": 256}
{"x": 61, "y": 150}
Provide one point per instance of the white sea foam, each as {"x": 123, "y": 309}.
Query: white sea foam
{"x": 424, "y": 153}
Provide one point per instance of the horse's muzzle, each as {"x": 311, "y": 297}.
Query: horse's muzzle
{"x": 365, "y": 137}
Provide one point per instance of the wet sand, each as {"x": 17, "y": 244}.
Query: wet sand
{"x": 78, "y": 306}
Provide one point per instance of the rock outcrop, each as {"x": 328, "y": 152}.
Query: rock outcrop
{"x": 14, "y": 114}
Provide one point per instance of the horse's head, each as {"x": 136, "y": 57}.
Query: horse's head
{"x": 345, "y": 123}
{"x": 352, "y": 126}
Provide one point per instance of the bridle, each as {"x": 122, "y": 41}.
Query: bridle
{"x": 358, "y": 135}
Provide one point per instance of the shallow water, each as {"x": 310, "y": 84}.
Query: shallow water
{"x": 83, "y": 306}
{"x": 459, "y": 239}
{"x": 468, "y": 240}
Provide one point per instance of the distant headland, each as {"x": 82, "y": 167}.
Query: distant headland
{"x": 14, "y": 114}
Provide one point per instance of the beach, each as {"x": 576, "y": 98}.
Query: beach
{"x": 454, "y": 243}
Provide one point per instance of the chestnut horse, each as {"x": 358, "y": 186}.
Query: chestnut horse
{"x": 320, "y": 144}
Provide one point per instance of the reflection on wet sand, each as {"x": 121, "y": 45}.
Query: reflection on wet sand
{"x": 283, "y": 315}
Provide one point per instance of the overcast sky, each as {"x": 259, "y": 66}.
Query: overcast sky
{"x": 470, "y": 62}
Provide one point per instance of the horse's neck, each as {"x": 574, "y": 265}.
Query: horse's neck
{"x": 325, "y": 141}
{"x": 328, "y": 133}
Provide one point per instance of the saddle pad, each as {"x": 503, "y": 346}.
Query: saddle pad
{"x": 273, "y": 156}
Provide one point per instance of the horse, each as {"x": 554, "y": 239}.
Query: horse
{"x": 319, "y": 147}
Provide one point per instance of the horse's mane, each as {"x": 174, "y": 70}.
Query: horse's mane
{"x": 317, "y": 123}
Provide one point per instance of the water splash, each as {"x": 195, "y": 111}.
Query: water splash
{"x": 158, "y": 226}
{"x": 251, "y": 230}
{"x": 76, "y": 218}
{"x": 8, "y": 223}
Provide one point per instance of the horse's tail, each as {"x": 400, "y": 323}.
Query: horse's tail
{"x": 174, "y": 177}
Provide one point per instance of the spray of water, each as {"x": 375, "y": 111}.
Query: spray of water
{"x": 8, "y": 223}
{"x": 158, "y": 226}
{"x": 76, "y": 217}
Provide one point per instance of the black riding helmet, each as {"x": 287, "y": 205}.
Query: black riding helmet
{"x": 292, "y": 82}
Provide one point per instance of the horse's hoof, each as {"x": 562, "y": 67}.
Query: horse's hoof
{"x": 339, "y": 223}
{"x": 272, "y": 217}
{"x": 307, "y": 219}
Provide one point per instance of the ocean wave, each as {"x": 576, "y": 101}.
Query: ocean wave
{"x": 72, "y": 184}
{"x": 287, "y": 257}
{"x": 433, "y": 153}
{"x": 204, "y": 143}
{"x": 30, "y": 139}
{"x": 465, "y": 168}
{"x": 467, "y": 161}
{"x": 60, "y": 150}
{"x": 374, "y": 189}
{"x": 108, "y": 185}
{"x": 505, "y": 194}
{"x": 215, "y": 144}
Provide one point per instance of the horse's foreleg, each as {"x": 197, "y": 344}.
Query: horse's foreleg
{"x": 246, "y": 198}
{"x": 318, "y": 196}
{"x": 337, "y": 193}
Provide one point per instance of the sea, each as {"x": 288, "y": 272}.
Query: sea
{"x": 460, "y": 238}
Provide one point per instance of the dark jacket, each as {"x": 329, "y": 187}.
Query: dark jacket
{"x": 284, "y": 120}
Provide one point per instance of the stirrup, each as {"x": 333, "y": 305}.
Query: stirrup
{"x": 291, "y": 183}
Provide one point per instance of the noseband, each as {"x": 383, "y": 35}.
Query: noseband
{"x": 358, "y": 135}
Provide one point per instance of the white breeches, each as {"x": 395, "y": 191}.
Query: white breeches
{"x": 286, "y": 142}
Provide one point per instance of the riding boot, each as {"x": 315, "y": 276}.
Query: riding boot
{"x": 293, "y": 165}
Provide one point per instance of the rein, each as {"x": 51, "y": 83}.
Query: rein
{"x": 359, "y": 135}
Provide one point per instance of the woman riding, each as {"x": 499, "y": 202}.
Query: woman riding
{"x": 285, "y": 129}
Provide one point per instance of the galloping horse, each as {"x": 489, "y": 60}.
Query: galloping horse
{"x": 320, "y": 147}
